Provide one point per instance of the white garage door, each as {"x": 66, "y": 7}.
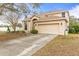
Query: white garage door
{"x": 48, "y": 28}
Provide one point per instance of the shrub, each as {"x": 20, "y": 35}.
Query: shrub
{"x": 34, "y": 31}
{"x": 71, "y": 30}
{"x": 73, "y": 26}
{"x": 74, "y": 29}
{"x": 8, "y": 29}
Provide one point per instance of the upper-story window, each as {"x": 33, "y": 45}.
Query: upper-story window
{"x": 46, "y": 15}
{"x": 63, "y": 14}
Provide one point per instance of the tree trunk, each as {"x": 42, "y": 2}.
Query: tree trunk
{"x": 14, "y": 28}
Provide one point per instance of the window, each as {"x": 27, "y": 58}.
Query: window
{"x": 46, "y": 15}
{"x": 34, "y": 19}
{"x": 63, "y": 14}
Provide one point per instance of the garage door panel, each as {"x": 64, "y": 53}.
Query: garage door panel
{"x": 49, "y": 29}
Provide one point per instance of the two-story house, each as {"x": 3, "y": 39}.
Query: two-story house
{"x": 56, "y": 22}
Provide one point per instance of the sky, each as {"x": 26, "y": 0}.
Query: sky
{"x": 56, "y": 6}
{"x": 73, "y": 8}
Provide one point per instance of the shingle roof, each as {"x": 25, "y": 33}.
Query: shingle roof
{"x": 49, "y": 16}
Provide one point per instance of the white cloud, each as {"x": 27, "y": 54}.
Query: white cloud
{"x": 74, "y": 11}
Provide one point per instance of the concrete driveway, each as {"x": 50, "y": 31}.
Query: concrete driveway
{"x": 24, "y": 46}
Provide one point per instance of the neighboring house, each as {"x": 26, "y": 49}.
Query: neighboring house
{"x": 56, "y": 22}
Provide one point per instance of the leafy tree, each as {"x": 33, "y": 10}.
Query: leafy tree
{"x": 12, "y": 19}
{"x": 73, "y": 26}
{"x": 21, "y": 8}
{"x": 13, "y": 11}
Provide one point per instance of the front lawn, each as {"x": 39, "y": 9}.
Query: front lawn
{"x": 61, "y": 46}
{"x": 4, "y": 36}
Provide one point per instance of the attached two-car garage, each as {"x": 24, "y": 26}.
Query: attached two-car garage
{"x": 48, "y": 28}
